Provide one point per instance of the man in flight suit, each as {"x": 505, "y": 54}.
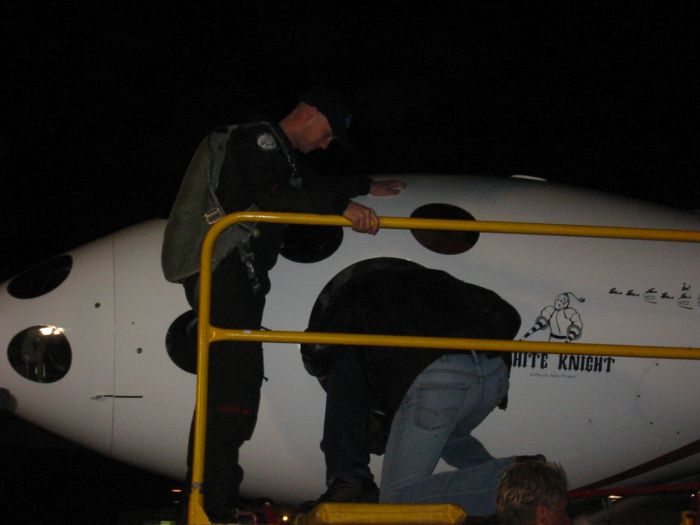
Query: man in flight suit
{"x": 262, "y": 168}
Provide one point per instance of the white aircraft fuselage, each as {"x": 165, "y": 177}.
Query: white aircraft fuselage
{"x": 599, "y": 416}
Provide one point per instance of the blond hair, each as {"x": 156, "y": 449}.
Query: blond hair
{"x": 526, "y": 485}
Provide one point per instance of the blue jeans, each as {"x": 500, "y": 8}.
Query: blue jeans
{"x": 444, "y": 404}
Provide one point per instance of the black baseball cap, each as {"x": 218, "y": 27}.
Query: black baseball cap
{"x": 335, "y": 108}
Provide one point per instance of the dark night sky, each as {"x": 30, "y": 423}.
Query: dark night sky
{"x": 105, "y": 102}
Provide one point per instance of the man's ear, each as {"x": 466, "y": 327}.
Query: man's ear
{"x": 541, "y": 514}
{"x": 309, "y": 112}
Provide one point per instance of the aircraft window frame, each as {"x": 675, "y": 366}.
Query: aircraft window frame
{"x": 42, "y": 278}
{"x": 41, "y": 354}
{"x": 440, "y": 241}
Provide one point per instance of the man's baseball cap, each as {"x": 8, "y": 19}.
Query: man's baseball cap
{"x": 335, "y": 108}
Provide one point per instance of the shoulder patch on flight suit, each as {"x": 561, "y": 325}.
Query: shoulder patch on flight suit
{"x": 266, "y": 141}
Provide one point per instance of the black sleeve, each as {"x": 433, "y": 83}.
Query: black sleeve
{"x": 339, "y": 190}
{"x": 484, "y": 314}
{"x": 434, "y": 303}
{"x": 251, "y": 174}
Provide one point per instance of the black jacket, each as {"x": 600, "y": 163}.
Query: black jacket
{"x": 261, "y": 168}
{"x": 412, "y": 301}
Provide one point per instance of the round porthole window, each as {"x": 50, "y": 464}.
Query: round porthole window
{"x": 181, "y": 342}
{"x": 40, "y": 353}
{"x": 444, "y": 242}
{"x": 310, "y": 243}
{"x": 41, "y": 279}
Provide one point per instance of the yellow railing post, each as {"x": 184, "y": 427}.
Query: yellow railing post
{"x": 195, "y": 511}
{"x": 206, "y": 333}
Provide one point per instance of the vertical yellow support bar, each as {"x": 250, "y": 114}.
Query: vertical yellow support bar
{"x": 195, "y": 511}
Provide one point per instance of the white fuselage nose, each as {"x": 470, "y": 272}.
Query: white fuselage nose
{"x": 123, "y": 395}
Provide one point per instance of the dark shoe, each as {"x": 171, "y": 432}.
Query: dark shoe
{"x": 231, "y": 516}
{"x": 525, "y": 459}
{"x": 346, "y": 490}
{"x": 224, "y": 512}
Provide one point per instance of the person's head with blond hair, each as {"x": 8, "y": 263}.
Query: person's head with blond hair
{"x": 532, "y": 493}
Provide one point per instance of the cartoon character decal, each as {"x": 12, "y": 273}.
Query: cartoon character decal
{"x": 563, "y": 321}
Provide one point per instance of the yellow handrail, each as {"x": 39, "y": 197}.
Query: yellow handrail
{"x": 207, "y": 334}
